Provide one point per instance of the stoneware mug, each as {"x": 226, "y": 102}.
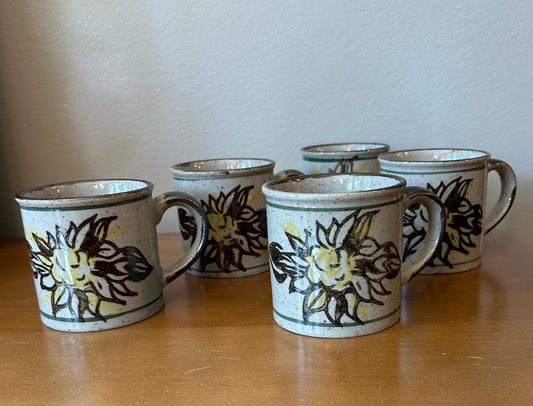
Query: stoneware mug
{"x": 459, "y": 178}
{"x": 342, "y": 158}
{"x": 230, "y": 193}
{"x": 335, "y": 251}
{"x": 93, "y": 251}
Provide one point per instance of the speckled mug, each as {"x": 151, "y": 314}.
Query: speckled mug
{"x": 335, "y": 243}
{"x": 459, "y": 178}
{"x": 342, "y": 158}
{"x": 230, "y": 193}
{"x": 93, "y": 251}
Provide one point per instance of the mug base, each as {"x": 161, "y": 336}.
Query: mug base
{"x": 112, "y": 322}
{"x": 330, "y": 331}
{"x": 456, "y": 268}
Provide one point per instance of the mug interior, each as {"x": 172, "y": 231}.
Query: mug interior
{"x": 335, "y": 184}
{"x": 84, "y": 189}
{"x": 433, "y": 155}
{"x": 345, "y": 147}
{"x": 215, "y": 165}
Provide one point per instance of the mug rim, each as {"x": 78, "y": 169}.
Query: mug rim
{"x": 187, "y": 170}
{"x": 388, "y": 157}
{"x": 321, "y": 150}
{"x": 269, "y": 191}
{"x": 25, "y": 199}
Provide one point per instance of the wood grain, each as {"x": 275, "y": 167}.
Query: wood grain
{"x": 462, "y": 339}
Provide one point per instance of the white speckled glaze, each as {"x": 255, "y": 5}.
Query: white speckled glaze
{"x": 459, "y": 178}
{"x": 93, "y": 251}
{"x": 334, "y": 244}
{"x": 342, "y": 158}
{"x": 230, "y": 193}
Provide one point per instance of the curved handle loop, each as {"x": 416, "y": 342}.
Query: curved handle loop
{"x": 436, "y": 227}
{"x": 507, "y": 193}
{"x": 162, "y": 203}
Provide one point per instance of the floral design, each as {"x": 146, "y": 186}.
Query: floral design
{"x": 346, "y": 166}
{"x": 463, "y": 221}
{"x": 415, "y": 222}
{"x": 81, "y": 268}
{"x": 235, "y": 229}
{"x": 337, "y": 268}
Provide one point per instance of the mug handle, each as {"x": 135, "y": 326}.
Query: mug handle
{"x": 507, "y": 193}
{"x": 161, "y": 204}
{"x": 436, "y": 227}
{"x": 287, "y": 173}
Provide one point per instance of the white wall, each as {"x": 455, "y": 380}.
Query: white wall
{"x": 126, "y": 89}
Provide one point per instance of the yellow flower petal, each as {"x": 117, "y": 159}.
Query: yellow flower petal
{"x": 290, "y": 228}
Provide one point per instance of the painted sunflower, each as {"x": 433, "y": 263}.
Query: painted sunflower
{"x": 347, "y": 166}
{"x": 463, "y": 222}
{"x": 235, "y": 229}
{"x": 337, "y": 268}
{"x": 415, "y": 221}
{"x": 82, "y": 268}
{"x": 463, "y": 219}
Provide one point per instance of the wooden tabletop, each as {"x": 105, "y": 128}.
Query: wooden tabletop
{"x": 462, "y": 339}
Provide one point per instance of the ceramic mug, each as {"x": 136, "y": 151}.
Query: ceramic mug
{"x": 230, "y": 193}
{"x": 342, "y": 158}
{"x": 335, "y": 243}
{"x": 93, "y": 251}
{"x": 459, "y": 178}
